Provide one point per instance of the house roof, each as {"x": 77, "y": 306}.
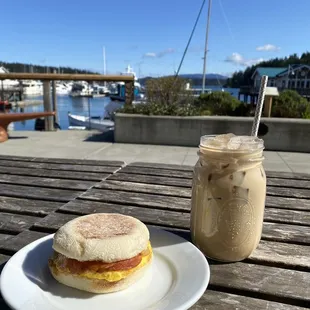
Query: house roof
{"x": 270, "y": 72}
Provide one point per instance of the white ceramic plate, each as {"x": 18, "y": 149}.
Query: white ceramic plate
{"x": 177, "y": 279}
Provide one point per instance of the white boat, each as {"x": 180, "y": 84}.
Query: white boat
{"x": 8, "y": 84}
{"x": 81, "y": 89}
{"x": 63, "y": 88}
{"x": 100, "y": 90}
{"x": 93, "y": 122}
{"x": 32, "y": 88}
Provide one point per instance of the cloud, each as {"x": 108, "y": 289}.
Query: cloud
{"x": 150, "y": 55}
{"x": 239, "y": 60}
{"x": 268, "y": 48}
{"x": 159, "y": 54}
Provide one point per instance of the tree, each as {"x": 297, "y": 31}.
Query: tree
{"x": 243, "y": 78}
{"x": 290, "y": 104}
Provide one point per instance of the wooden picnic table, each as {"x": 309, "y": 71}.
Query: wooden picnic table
{"x": 38, "y": 195}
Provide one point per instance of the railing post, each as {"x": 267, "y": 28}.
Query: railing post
{"x": 54, "y": 100}
{"x": 49, "y": 126}
{"x": 129, "y": 92}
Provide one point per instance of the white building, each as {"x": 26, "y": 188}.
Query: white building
{"x": 292, "y": 77}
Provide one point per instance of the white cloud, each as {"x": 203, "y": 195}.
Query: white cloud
{"x": 151, "y": 55}
{"x": 239, "y": 60}
{"x": 268, "y": 48}
{"x": 159, "y": 54}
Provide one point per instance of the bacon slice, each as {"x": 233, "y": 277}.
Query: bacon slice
{"x": 77, "y": 267}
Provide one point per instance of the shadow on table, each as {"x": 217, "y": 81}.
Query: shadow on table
{"x": 3, "y": 305}
{"x": 162, "y": 242}
{"x": 101, "y": 137}
{"x": 35, "y": 267}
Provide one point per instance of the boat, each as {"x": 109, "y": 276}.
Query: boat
{"x": 32, "y": 88}
{"x": 63, "y": 88}
{"x": 93, "y": 122}
{"x": 8, "y": 84}
{"x": 118, "y": 89}
{"x": 100, "y": 91}
{"x": 81, "y": 89}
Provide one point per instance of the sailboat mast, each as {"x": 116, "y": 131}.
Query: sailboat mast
{"x": 206, "y": 49}
{"x": 104, "y": 65}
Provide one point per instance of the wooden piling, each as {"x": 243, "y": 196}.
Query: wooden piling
{"x": 129, "y": 92}
{"x": 49, "y": 124}
{"x": 267, "y": 106}
{"x": 54, "y": 100}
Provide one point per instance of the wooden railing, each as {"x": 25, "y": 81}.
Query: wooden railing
{"x": 66, "y": 77}
{"x": 47, "y": 78}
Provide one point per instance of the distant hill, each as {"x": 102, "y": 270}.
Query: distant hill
{"x": 212, "y": 79}
{"x": 209, "y": 76}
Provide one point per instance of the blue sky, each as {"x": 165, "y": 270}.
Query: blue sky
{"x": 151, "y": 35}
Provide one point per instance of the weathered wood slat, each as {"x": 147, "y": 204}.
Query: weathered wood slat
{"x": 138, "y": 199}
{"x": 283, "y": 254}
{"x": 157, "y": 172}
{"x": 28, "y": 206}
{"x": 287, "y": 216}
{"x": 4, "y": 259}
{"x": 42, "y": 193}
{"x": 19, "y": 241}
{"x": 288, "y": 192}
{"x": 161, "y": 180}
{"x": 15, "y": 223}
{"x": 288, "y": 203}
{"x": 18, "y": 158}
{"x": 162, "y": 166}
{"x": 288, "y": 183}
{"x": 289, "y": 286}
{"x": 286, "y": 233}
{"x": 271, "y": 201}
{"x": 45, "y": 182}
{"x": 287, "y": 175}
{"x": 4, "y": 237}
{"x": 271, "y": 231}
{"x": 55, "y": 166}
{"x": 53, "y": 221}
{"x": 147, "y": 215}
{"x": 150, "y": 179}
{"x": 88, "y": 162}
{"x": 213, "y": 300}
{"x": 60, "y": 174}
{"x": 145, "y": 188}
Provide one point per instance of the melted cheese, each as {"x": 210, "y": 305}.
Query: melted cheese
{"x": 114, "y": 276}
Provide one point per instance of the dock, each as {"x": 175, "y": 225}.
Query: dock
{"x": 49, "y": 88}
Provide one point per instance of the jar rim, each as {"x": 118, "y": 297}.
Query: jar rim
{"x": 250, "y": 144}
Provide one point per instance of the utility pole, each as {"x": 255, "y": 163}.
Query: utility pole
{"x": 206, "y": 49}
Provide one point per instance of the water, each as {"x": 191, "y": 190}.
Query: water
{"x": 65, "y": 104}
{"x": 80, "y": 106}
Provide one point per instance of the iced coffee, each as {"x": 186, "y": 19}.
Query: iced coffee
{"x": 228, "y": 196}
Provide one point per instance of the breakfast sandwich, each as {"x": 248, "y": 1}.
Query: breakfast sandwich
{"x": 101, "y": 253}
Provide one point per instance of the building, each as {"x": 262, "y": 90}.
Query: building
{"x": 291, "y": 77}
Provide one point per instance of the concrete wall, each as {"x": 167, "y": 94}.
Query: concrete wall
{"x": 284, "y": 134}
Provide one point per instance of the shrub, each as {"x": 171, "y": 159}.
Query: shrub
{"x": 290, "y": 104}
{"x": 167, "y": 91}
{"x": 219, "y": 103}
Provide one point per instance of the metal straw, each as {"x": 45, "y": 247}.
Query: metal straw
{"x": 259, "y": 105}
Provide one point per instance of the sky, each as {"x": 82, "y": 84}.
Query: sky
{"x": 151, "y": 35}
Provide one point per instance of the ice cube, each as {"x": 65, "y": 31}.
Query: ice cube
{"x": 217, "y": 142}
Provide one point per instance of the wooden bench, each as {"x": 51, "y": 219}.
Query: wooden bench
{"x": 7, "y": 118}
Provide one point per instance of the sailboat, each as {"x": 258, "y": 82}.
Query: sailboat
{"x": 102, "y": 124}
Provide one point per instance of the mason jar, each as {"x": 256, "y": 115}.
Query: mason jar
{"x": 228, "y": 196}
